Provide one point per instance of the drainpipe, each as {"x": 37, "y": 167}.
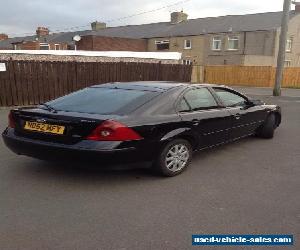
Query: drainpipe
{"x": 245, "y": 41}
{"x": 244, "y": 49}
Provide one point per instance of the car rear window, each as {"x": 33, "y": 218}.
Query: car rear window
{"x": 103, "y": 101}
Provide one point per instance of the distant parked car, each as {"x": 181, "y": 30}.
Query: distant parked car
{"x": 161, "y": 123}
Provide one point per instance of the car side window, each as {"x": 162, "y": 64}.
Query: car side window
{"x": 228, "y": 98}
{"x": 183, "y": 106}
{"x": 197, "y": 99}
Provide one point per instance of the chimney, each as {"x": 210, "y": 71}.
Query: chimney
{"x": 98, "y": 26}
{"x": 3, "y": 37}
{"x": 42, "y": 31}
{"x": 178, "y": 17}
{"x": 297, "y": 7}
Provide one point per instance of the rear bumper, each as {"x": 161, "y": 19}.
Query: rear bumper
{"x": 85, "y": 151}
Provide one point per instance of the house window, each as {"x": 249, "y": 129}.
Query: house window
{"x": 216, "y": 43}
{"x": 233, "y": 43}
{"x": 287, "y": 63}
{"x": 44, "y": 46}
{"x": 187, "y": 61}
{"x": 187, "y": 44}
{"x": 71, "y": 47}
{"x": 162, "y": 45}
{"x": 289, "y": 44}
{"x": 57, "y": 46}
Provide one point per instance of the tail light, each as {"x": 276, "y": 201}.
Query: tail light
{"x": 11, "y": 120}
{"x": 113, "y": 131}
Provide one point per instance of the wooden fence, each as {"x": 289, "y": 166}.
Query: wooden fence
{"x": 257, "y": 76}
{"x": 33, "y": 82}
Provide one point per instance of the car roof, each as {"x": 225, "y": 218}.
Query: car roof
{"x": 208, "y": 85}
{"x": 155, "y": 86}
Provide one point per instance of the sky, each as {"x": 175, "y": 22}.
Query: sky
{"x": 21, "y": 17}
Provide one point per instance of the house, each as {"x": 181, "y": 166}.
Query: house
{"x": 250, "y": 39}
{"x": 231, "y": 40}
{"x": 43, "y": 40}
{"x": 104, "y": 43}
{"x": 3, "y": 37}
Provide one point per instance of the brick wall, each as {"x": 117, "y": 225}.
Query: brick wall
{"x": 99, "y": 43}
{"x": 31, "y": 45}
{"x": 86, "y": 43}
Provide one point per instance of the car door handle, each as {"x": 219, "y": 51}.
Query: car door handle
{"x": 195, "y": 122}
{"x": 237, "y": 116}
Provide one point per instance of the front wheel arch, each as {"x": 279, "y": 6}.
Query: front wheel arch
{"x": 277, "y": 118}
{"x": 266, "y": 130}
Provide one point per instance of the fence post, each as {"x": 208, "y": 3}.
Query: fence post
{"x": 159, "y": 71}
{"x": 270, "y": 76}
{"x": 204, "y": 74}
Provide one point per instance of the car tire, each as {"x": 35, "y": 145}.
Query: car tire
{"x": 268, "y": 128}
{"x": 174, "y": 158}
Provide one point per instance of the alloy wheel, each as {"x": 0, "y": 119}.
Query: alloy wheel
{"x": 177, "y": 157}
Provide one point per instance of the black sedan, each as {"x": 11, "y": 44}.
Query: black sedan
{"x": 159, "y": 123}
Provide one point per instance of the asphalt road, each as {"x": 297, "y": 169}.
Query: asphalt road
{"x": 248, "y": 187}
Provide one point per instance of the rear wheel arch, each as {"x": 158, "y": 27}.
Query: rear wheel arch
{"x": 182, "y": 133}
{"x": 191, "y": 139}
{"x": 172, "y": 153}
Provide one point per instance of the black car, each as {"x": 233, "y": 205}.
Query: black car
{"x": 160, "y": 123}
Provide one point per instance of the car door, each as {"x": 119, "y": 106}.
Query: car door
{"x": 245, "y": 118}
{"x": 201, "y": 111}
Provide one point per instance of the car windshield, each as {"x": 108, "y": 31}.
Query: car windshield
{"x": 99, "y": 100}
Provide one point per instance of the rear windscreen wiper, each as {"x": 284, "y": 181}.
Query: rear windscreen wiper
{"x": 50, "y": 108}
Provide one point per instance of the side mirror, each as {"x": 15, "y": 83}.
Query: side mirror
{"x": 248, "y": 104}
{"x": 257, "y": 102}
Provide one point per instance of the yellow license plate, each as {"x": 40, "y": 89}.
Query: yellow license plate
{"x": 45, "y": 128}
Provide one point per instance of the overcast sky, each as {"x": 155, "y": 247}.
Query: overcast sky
{"x": 23, "y": 16}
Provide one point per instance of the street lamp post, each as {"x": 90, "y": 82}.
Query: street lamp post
{"x": 282, "y": 47}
